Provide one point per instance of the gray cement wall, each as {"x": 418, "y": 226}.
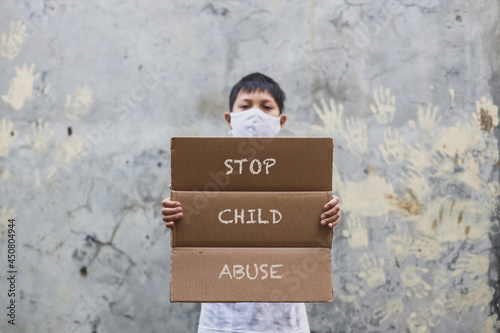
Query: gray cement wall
{"x": 93, "y": 90}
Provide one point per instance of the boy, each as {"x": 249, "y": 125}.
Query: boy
{"x": 256, "y": 106}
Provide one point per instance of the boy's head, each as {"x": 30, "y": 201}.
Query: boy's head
{"x": 257, "y": 82}
{"x": 256, "y": 92}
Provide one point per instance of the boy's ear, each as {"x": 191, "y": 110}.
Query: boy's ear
{"x": 282, "y": 120}
{"x": 227, "y": 115}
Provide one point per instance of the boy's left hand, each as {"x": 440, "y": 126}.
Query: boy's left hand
{"x": 331, "y": 216}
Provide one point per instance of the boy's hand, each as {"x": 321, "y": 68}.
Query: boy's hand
{"x": 171, "y": 211}
{"x": 331, "y": 216}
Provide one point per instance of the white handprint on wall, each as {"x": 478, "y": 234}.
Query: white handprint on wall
{"x": 373, "y": 270}
{"x": 393, "y": 149}
{"x": 479, "y": 294}
{"x": 71, "y": 150}
{"x": 397, "y": 245}
{"x": 385, "y": 105}
{"x": 415, "y": 285}
{"x": 417, "y": 323}
{"x": 21, "y": 87}
{"x": 79, "y": 105}
{"x": 427, "y": 248}
{"x": 42, "y": 135}
{"x": 458, "y": 139}
{"x": 357, "y": 233}
{"x": 476, "y": 266}
{"x": 428, "y": 120}
{"x": 331, "y": 116}
{"x": 356, "y": 136}
{"x": 353, "y": 292}
{"x": 13, "y": 42}
{"x": 7, "y": 136}
{"x": 393, "y": 306}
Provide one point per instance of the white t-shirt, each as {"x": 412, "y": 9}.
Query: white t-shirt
{"x": 253, "y": 318}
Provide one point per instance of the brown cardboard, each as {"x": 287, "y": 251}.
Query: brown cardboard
{"x": 270, "y": 219}
{"x": 284, "y": 275}
{"x": 290, "y": 175}
{"x": 229, "y": 164}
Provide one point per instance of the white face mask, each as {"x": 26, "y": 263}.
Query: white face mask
{"x": 254, "y": 123}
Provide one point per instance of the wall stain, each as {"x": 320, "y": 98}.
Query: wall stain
{"x": 485, "y": 120}
{"x": 460, "y": 216}
{"x": 434, "y": 225}
{"x": 408, "y": 204}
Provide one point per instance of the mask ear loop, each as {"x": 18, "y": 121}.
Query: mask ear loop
{"x": 230, "y": 132}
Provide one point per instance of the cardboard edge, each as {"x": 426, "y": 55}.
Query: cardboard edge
{"x": 171, "y": 292}
{"x": 329, "y": 195}
{"x": 173, "y": 233}
{"x": 170, "y": 155}
{"x": 170, "y": 149}
{"x": 333, "y": 159}
{"x": 333, "y": 150}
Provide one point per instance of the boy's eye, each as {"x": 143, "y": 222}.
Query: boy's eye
{"x": 268, "y": 107}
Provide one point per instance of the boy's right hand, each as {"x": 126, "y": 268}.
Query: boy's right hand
{"x": 171, "y": 211}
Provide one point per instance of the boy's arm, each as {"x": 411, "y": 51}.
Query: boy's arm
{"x": 331, "y": 216}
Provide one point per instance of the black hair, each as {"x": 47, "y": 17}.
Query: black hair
{"x": 258, "y": 82}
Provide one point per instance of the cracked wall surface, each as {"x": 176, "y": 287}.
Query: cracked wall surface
{"x": 92, "y": 91}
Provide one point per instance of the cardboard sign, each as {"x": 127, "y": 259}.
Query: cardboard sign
{"x": 251, "y": 164}
{"x": 251, "y": 229}
{"x": 250, "y": 274}
{"x": 251, "y": 219}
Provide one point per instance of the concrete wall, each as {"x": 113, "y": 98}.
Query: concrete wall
{"x": 93, "y": 90}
